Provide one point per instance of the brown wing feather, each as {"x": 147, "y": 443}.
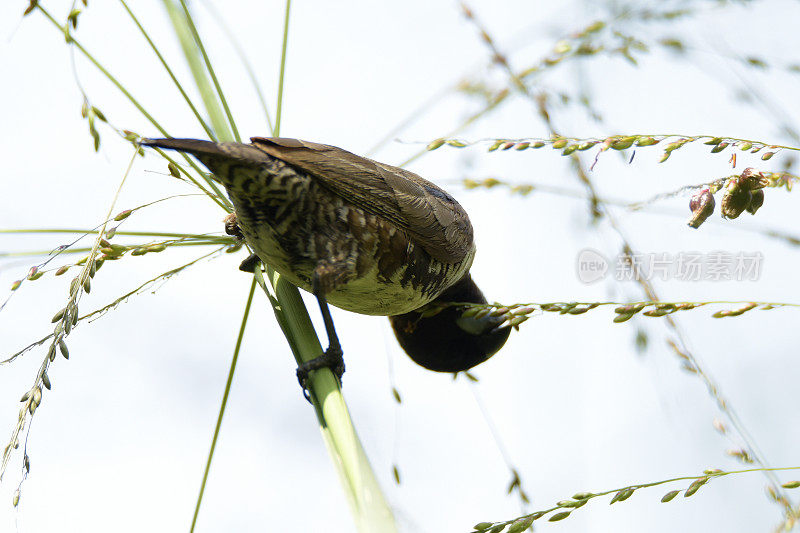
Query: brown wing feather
{"x": 434, "y": 218}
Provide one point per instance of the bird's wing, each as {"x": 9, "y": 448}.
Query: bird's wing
{"x": 431, "y": 216}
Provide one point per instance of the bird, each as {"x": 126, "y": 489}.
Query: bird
{"x": 360, "y": 235}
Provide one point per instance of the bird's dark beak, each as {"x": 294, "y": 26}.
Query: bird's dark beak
{"x": 449, "y": 341}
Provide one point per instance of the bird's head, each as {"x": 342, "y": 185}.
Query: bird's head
{"x": 448, "y": 341}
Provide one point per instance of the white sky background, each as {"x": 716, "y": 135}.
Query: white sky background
{"x": 120, "y": 442}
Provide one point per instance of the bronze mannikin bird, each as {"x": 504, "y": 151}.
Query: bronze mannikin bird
{"x": 364, "y": 236}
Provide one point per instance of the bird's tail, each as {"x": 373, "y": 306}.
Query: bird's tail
{"x": 192, "y": 146}
{"x": 205, "y": 150}
{"x": 220, "y": 158}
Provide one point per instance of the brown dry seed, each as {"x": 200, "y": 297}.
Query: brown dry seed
{"x": 756, "y": 201}
{"x": 734, "y": 203}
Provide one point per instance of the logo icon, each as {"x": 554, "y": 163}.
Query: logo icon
{"x": 592, "y": 266}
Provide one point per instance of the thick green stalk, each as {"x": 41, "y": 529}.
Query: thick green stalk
{"x": 368, "y": 505}
{"x": 370, "y": 510}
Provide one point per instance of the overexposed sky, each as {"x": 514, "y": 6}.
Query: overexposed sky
{"x": 120, "y": 442}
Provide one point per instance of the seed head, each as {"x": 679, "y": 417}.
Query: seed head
{"x": 734, "y": 203}
{"x": 756, "y": 201}
{"x": 702, "y": 205}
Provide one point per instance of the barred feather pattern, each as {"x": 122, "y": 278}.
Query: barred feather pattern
{"x": 366, "y": 264}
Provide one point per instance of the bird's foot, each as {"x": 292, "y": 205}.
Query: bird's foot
{"x": 331, "y": 358}
{"x": 250, "y": 264}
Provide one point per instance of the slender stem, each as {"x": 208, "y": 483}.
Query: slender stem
{"x": 129, "y": 96}
{"x": 218, "y": 198}
{"x": 61, "y": 331}
{"x": 243, "y": 58}
{"x": 658, "y": 137}
{"x": 496, "y": 101}
{"x": 210, "y": 69}
{"x": 119, "y": 300}
{"x": 186, "y": 98}
{"x": 105, "y": 72}
{"x": 224, "y": 401}
{"x": 708, "y": 475}
{"x": 180, "y": 23}
{"x": 277, "y": 131}
{"x": 420, "y": 111}
{"x": 130, "y": 233}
